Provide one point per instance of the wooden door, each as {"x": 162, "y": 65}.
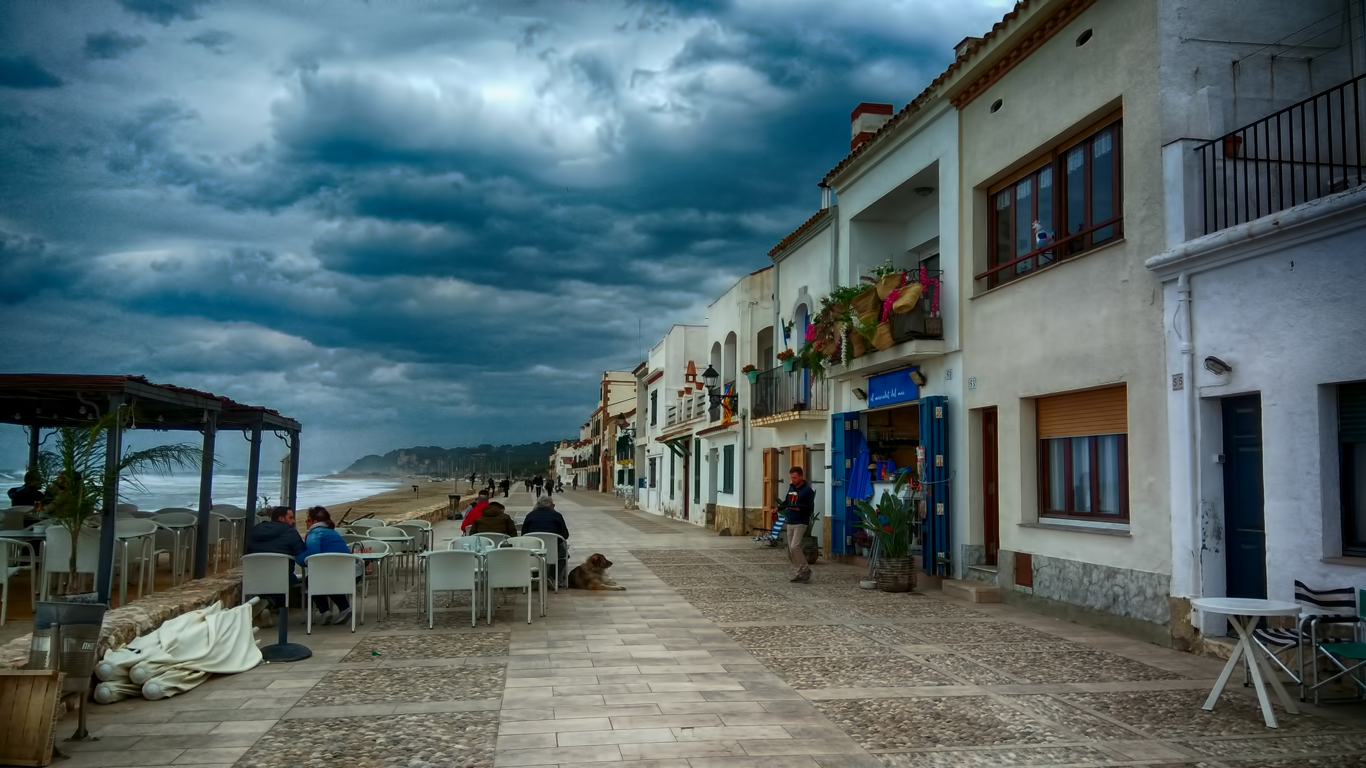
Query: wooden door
{"x": 991, "y": 510}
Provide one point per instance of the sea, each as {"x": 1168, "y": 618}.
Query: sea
{"x": 230, "y": 487}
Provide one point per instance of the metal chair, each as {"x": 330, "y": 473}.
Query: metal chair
{"x": 371, "y": 546}
{"x": 221, "y": 531}
{"x": 1321, "y": 607}
{"x": 509, "y": 568}
{"x": 11, "y": 564}
{"x": 452, "y": 570}
{"x": 1349, "y": 658}
{"x": 330, "y": 573}
{"x": 768, "y": 536}
{"x": 176, "y": 536}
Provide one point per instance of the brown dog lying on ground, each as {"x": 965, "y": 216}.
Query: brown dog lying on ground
{"x": 593, "y": 575}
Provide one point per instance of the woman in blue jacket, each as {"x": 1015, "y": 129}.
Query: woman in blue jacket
{"x": 322, "y": 538}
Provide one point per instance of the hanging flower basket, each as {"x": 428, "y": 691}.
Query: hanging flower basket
{"x": 753, "y": 376}
{"x": 865, "y": 302}
{"x": 883, "y": 338}
{"x": 790, "y": 364}
{"x": 858, "y": 343}
{"x": 896, "y": 574}
{"x": 885, "y": 285}
{"x": 907, "y": 299}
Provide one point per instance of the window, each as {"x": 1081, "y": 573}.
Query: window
{"x": 696, "y": 469}
{"x": 728, "y": 469}
{"x": 654, "y": 471}
{"x": 654, "y": 412}
{"x": 1076, "y": 189}
{"x": 1083, "y": 455}
{"x": 1352, "y": 458}
{"x": 673, "y": 476}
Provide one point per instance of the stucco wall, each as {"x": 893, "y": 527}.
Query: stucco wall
{"x": 1087, "y": 322}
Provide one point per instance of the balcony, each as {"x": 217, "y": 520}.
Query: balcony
{"x": 916, "y": 335}
{"x": 1301, "y": 153}
{"x": 779, "y": 395}
{"x": 691, "y": 406}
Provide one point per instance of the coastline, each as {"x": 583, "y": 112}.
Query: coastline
{"x": 400, "y": 503}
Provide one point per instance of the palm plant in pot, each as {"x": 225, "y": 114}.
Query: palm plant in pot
{"x": 893, "y": 523}
{"x": 84, "y": 482}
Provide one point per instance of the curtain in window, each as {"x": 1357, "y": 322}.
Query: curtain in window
{"x": 1081, "y": 475}
{"x": 1108, "y": 452}
{"x": 1057, "y": 480}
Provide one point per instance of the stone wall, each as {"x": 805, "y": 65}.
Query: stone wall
{"x": 739, "y": 521}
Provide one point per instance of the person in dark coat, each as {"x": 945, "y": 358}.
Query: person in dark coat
{"x": 29, "y": 494}
{"x": 545, "y": 519}
{"x": 276, "y": 536}
{"x": 506, "y": 486}
{"x": 494, "y": 520}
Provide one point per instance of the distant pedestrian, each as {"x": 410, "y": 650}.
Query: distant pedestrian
{"x": 549, "y": 488}
{"x": 576, "y": 482}
{"x": 800, "y": 503}
{"x": 506, "y": 486}
{"x": 536, "y": 484}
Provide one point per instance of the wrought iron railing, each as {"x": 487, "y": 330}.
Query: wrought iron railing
{"x": 778, "y": 391}
{"x": 1301, "y": 153}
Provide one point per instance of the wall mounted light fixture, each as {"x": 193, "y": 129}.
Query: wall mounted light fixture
{"x": 1217, "y": 367}
{"x": 860, "y": 393}
{"x": 918, "y": 378}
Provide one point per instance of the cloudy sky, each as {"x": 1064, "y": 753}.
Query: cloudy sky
{"x": 410, "y": 221}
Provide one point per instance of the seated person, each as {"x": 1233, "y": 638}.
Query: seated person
{"x": 30, "y": 494}
{"x": 546, "y": 519}
{"x": 476, "y": 509}
{"x": 322, "y": 538}
{"x": 278, "y": 536}
{"x": 494, "y": 520}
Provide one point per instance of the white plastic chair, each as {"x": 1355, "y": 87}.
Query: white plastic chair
{"x": 266, "y": 573}
{"x": 13, "y": 555}
{"x": 57, "y": 555}
{"x": 496, "y": 538}
{"x": 125, "y": 509}
{"x": 127, "y": 531}
{"x": 221, "y": 531}
{"x": 376, "y": 547}
{"x": 401, "y": 543}
{"x": 238, "y": 518}
{"x": 538, "y": 546}
{"x": 176, "y": 535}
{"x": 476, "y": 544}
{"x": 330, "y": 573}
{"x": 452, "y": 570}
{"x": 553, "y": 542}
{"x": 366, "y": 523}
{"x": 508, "y": 568}
{"x": 422, "y": 531}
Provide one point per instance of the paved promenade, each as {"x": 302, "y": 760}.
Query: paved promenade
{"x": 710, "y": 659}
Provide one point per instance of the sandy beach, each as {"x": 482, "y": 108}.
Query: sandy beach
{"x": 401, "y": 503}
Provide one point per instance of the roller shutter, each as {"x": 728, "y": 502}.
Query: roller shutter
{"x": 1352, "y": 413}
{"x": 1092, "y": 412}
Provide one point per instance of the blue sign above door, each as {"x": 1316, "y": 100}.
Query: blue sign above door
{"x": 892, "y": 388}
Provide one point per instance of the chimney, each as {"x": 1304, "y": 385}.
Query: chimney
{"x": 865, "y": 121}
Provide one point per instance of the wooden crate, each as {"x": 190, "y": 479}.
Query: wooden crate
{"x": 28, "y": 715}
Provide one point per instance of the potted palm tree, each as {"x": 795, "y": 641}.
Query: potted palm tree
{"x": 893, "y": 523}
{"x": 84, "y": 482}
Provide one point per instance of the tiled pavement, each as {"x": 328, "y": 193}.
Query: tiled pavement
{"x": 711, "y": 658}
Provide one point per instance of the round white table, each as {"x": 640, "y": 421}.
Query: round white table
{"x": 1244, "y": 613}
{"x": 381, "y": 583}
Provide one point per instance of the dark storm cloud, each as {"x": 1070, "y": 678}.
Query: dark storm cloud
{"x": 111, "y": 45}
{"x": 214, "y": 40}
{"x": 419, "y": 222}
{"x": 25, "y": 72}
{"x": 164, "y": 12}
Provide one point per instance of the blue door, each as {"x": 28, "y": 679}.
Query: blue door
{"x": 934, "y": 439}
{"x": 843, "y": 428}
{"x": 1244, "y": 523}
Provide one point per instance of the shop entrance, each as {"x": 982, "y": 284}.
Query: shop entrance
{"x": 893, "y": 436}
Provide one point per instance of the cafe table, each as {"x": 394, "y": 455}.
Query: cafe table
{"x": 1244, "y": 613}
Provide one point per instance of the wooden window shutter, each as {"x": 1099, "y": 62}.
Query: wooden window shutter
{"x": 798, "y": 455}
{"x": 1093, "y": 412}
{"x": 770, "y": 475}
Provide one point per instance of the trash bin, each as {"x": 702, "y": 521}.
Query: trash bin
{"x": 66, "y": 637}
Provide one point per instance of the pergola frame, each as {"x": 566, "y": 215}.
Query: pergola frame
{"x": 39, "y": 401}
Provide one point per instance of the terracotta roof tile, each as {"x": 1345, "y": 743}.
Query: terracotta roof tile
{"x": 798, "y": 232}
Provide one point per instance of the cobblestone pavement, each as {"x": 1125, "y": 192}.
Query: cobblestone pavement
{"x": 712, "y": 659}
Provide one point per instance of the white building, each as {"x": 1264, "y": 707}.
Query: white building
{"x": 673, "y": 407}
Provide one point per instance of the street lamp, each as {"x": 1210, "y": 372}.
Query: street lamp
{"x": 713, "y": 380}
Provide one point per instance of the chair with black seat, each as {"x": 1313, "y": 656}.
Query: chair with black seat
{"x": 1323, "y": 608}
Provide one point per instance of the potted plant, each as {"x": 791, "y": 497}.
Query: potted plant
{"x": 751, "y": 372}
{"x": 886, "y": 278}
{"x": 84, "y": 483}
{"x": 893, "y": 523}
{"x": 863, "y": 542}
{"x": 789, "y": 359}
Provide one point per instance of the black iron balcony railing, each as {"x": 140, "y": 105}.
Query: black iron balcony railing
{"x": 778, "y": 391}
{"x": 1301, "y": 153}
